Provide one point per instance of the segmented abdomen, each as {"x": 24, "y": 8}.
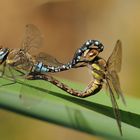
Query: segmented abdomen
{"x": 41, "y": 68}
{"x": 91, "y": 89}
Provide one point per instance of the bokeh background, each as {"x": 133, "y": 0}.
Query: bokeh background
{"x": 66, "y": 25}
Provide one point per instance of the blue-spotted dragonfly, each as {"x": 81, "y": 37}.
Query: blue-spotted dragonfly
{"x": 24, "y": 62}
{"x": 103, "y": 72}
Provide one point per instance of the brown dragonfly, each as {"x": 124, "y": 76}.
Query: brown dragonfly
{"x": 103, "y": 72}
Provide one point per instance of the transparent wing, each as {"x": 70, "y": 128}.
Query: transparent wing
{"x": 47, "y": 59}
{"x": 9, "y": 74}
{"x": 115, "y": 60}
{"x": 28, "y": 91}
{"x": 114, "y": 104}
{"x": 52, "y": 61}
{"x": 114, "y": 66}
{"x": 116, "y": 84}
{"x": 32, "y": 38}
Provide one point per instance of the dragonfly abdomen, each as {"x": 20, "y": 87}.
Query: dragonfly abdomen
{"x": 93, "y": 88}
{"x": 40, "y": 67}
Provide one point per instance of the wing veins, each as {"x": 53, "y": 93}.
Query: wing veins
{"x": 115, "y": 106}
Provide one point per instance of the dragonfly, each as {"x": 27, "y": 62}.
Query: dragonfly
{"x": 24, "y": 62}
{"x": 103, "y": 72}
{"x": 18, "y": 63}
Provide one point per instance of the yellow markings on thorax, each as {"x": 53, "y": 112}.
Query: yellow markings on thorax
{"x": 95, "y": 66}
{"x": 94, "y": 73}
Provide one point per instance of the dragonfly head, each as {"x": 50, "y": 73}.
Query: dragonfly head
{"x": 3, "y": 54}
{"x": 87, "y": 52}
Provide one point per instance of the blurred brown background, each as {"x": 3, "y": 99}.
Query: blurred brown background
{"x": 66, "y": 25}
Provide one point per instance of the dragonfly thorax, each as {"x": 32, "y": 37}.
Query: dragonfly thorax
{"x": 99, "y": 69}
{"x": 20, "y": 59}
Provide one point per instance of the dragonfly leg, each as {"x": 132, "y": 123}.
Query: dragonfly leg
{"x": 21, "y": 73}
{"x": 3, "y": 70}
{"x": 12, "y": 78}
{"x": 12, "y": 75}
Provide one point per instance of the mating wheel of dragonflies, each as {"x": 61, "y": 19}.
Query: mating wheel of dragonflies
{"x": 18, "y": 63}
{"x": 40, "y": 65}
{"x": 103, "y": 72}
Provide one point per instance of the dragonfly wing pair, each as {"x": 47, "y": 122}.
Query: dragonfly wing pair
{"x": 34, "y": 39}
{"x": 113, "y": 67}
